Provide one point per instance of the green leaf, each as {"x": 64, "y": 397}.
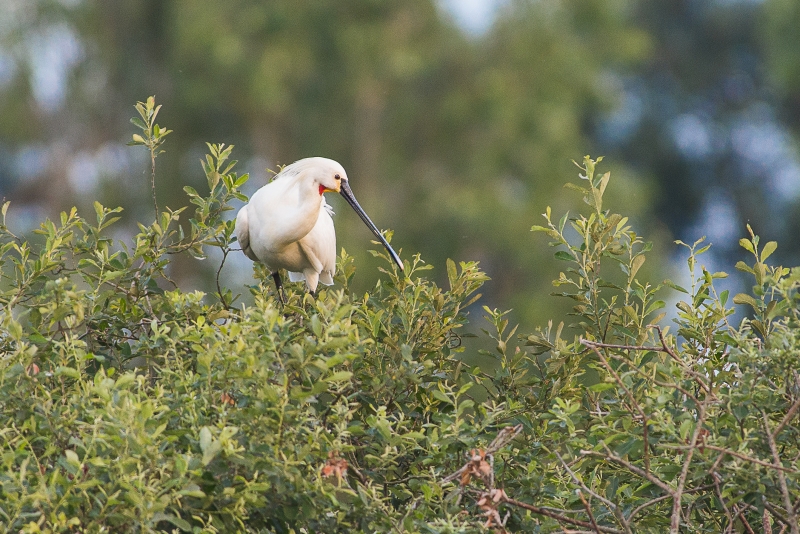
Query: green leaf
{"x": 768, "y": 249}
{"x": 125, "y": 381}
{"x": 68, "y": 371}
{"x": 438, "y": 395}
{"x": 182, "y": 524}
{"x": 676, "y": 287}
{"x": 602, "y": 386}
{"x": 743, "y": 298}
{"x": 72, "y": 458}
{"x": 205, "y": 438}
{"x": 452, "y": 273}
{"x": 747, "y": 245}
{"x": 636, "y": 264}
{"x": 339, "y": 376}
{"x": 15, "y": 330}
{"x": 562, "y": 222}
{"x": 577, "y": 188}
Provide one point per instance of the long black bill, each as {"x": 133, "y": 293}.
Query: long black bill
{"x": 347, "y": 193}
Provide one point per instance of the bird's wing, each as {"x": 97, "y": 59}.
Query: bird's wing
{"x": 243, "y": 234}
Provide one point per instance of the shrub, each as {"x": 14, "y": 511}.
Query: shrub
{"x": 129, "y": 405}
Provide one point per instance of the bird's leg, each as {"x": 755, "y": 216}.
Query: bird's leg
{"x": 279, "y": 286}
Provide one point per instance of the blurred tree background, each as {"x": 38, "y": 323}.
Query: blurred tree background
{"x": 456, "y": 120}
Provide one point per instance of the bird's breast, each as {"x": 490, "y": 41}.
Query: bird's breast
{"x": 283, "y": 215}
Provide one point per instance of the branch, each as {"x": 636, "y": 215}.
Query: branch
{"x": 767, "y": 506}
{"x": 787, "y": 418}
{"x": 632, "y": 468}
{"x": 588, "y": 511}
{"x": 740, "y": 517}
{"x": 663, "y": 498}
{"x": 675, "y": 522}
{"x": 787, "y": 499}
{"x": 611, "y": 506}
{"x": 559, "y": 517}
{"x": 504, "y": 437}
{"x": 664, "y": 348}
{"x": 735, "y": 454}
{"x": 635, "y": 404}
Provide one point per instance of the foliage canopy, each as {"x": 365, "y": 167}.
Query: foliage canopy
{"x": 130, "y": 405}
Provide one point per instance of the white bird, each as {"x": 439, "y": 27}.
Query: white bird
{"x": 287, "y": 224}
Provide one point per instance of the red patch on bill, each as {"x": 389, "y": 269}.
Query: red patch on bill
{"x": 321, "y": 189}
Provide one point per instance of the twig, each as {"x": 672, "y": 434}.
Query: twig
{"x": 736, "y": 454}
{"x": 219, "y": 289}
{"x": 505, "y": 436}
{"x": 740, "y": 517}
{"x": 718, "y": 491}
{"x": 786, "y": 418}
{"x": 664, "y": 348}
{"x": 559, "y": 517}
{"x": 787, "y": 499}
{"x": 651, "y": 502}
{"x": 675, "y": 521}
{"x": 153, "y": 179}
{"x": 588, "y": 511}
{"x": 635, "y": 404}
{"x": 611, "y": 506}
{"x": 632, "y": 468}
{"x": 671, "y": 385}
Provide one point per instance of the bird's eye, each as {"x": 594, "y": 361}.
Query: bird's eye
{"x": 338, "y": 177}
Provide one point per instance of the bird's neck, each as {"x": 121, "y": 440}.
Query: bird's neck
{"x": 300, "y": 207}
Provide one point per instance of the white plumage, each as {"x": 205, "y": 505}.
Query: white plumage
{"x": 288, "y": 225}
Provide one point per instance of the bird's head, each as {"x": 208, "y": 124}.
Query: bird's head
{"x": 327, "y": 175}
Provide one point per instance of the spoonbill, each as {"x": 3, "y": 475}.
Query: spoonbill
{"x": 287, "y": 224}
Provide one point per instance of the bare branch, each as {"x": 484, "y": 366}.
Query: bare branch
{"x": 787, "y": 418}
{"x": 632, "y": 468}
{"x": 646, "y": 504}
{"x": 735, "y": 454}
{"x": 635, "y": 404}
{"x": 664, "y": 348}
{"x": 651, "y": 502}
{"x": 787, "y": 499}
{"x": 611, "y": 506}
{"x": 675, "y": 521}
{"x": 588, "y": 511}
{"x": 559, "y": 517}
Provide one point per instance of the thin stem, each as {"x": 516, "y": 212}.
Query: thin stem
{"x": 219, "y": 288}
{"x": 632, "y": 468}
{"x": 735, "y": 454}
{"x": 559, "y": 517}
{"x": 611, "y": 506}
{"x": 787, "y": 499}
{"x": 153, "y": 178}
{"x": 635, "y": 404}
{"x": 675, "y": 522}
{"x": 786, "y": 418}
{"x": 588, "y": 511}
